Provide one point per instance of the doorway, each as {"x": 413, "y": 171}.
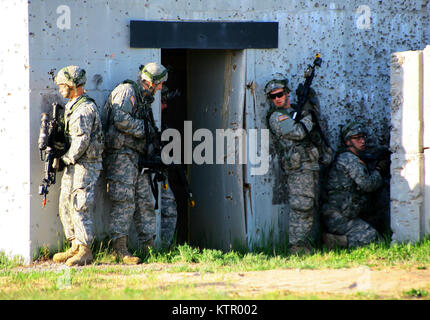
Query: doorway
{"x": 173, "y": 117}
{"x": 212, "y": 86}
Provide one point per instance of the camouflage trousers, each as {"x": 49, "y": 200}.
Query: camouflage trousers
{"x": 168, "y": 216}
{"x": 130, "y": 193}
{"x": 357, "y": 231}
{"x": 303, "y": 193}
{"x": 77, "y": 201}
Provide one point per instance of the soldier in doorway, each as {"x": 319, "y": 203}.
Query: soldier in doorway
{"x": 169, "y": 212}
{"x": 299, "y": 160}
{"x": 349, "y": 185}
{"x": 83, "y": 163}
{"x": 127, "y": 134}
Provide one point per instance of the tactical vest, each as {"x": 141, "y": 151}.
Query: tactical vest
{"x": 95, "y": 148}
{"x": 82, "y": 99}
{"x": 313, "y": 138}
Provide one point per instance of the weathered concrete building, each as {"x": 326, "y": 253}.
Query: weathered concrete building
{"x": 410, "y": 166}
{"x": 222, "y": 88}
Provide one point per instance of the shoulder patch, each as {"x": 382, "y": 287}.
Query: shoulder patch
{"x": 283, "y": 117}
{"x": 133, "y": 101}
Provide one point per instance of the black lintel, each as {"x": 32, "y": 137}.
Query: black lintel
{"x": 203, "y": 35}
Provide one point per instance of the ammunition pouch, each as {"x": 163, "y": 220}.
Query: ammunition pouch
{"x": 294, "y": 157}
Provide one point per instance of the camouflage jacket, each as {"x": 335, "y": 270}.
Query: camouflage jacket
{"x": 297, "y": 150}
{"x": 348, "y": 184}
{"x": 125, "y": 130}
{"x": 83, "y": 131}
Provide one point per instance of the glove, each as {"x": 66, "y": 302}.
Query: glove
{"x": 383, "y": 166}
{"x": 59, "y": 164}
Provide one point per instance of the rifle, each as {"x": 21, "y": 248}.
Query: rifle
{"x": 303, "y": 90}
{"x": 161, "y": 172}
{"x": 303, "y": 93}
{"x": 52, "y": 145}
{"x": 372, "y": 156}
{"x": 152, "y": 160}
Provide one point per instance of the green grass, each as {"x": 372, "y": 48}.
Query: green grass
{"x": 417, "y": 293}
{"x": 372, "y": 255}
{"x": 107, "y": 279}
{"x": 7, "y": 262}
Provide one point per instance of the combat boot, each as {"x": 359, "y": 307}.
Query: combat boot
{"x": 121, "y": 251}
{"x": 83, "y": 257}
{"x": 331, "y": 241}
{"x": 61, "y": 257}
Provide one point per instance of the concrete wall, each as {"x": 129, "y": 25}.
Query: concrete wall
{"x": 426, "y": 138}
{"x": 410, "y": 118}
{"x": 15, "y": 188}
{"x": 355, "y": 42}
{"x": 96, "y": 39}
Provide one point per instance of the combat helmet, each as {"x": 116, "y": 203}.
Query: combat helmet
{"x": 352, "y": 129}
{"x": 73, "y": 76}
{"x": 153, "y": 72}
{"x": 276, "y": 84}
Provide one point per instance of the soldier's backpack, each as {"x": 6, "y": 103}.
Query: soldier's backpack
{"x": 107, "y": 109}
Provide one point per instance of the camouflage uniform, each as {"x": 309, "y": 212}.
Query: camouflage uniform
{"x": 169, "y": 215}
{"x": 300, "y": 163}
{"x": 84, "y": 163}
{"x": 128, "y": 188}
{"x": 299, "y": 159}
{"x": 348, "y": 184}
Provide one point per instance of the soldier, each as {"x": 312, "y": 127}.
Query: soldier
{"x": 127, "y": 186}
{"x": 83, "y": 163}
{"x": 169, "y": 213}
{"x": 348, "y": 185}
{"x": 299, "y": 160}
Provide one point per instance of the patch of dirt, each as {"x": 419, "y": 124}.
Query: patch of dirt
{"x": 383, "y": 282}
{"x": 387, "y": 283}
